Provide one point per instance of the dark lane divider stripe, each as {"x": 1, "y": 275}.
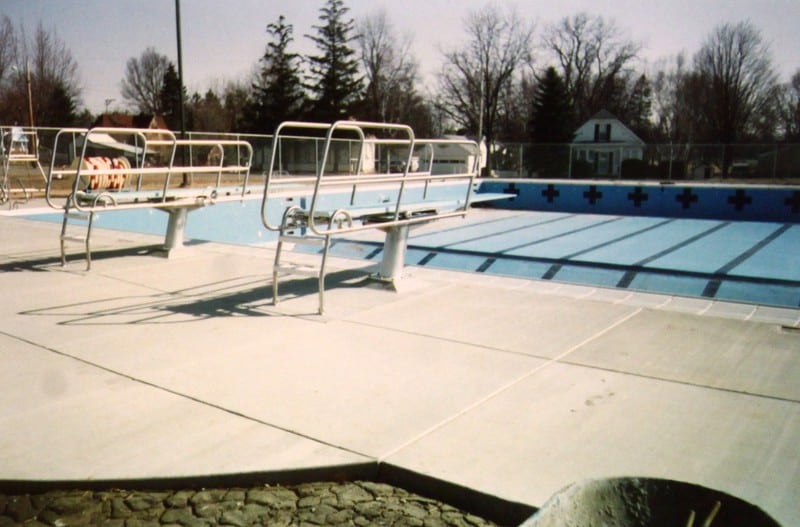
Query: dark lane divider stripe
{"x": 728, "y": 267}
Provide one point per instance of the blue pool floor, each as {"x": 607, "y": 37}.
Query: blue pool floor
{"x": 741, "y": 261}
{"x": 754, "y": 262}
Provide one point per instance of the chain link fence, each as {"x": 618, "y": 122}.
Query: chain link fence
{"x": 664, "y": 162}
{"x": 756, "y": 163}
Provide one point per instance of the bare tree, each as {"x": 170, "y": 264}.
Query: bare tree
{"x": 55, "y": 78}
{"x": 235, "y": 96}
{"x": 595, "y": 62}
{"x": 45, "y": 65}
{"x": 738, "y": 81}
{"x": 790, "y": 108}
{"x": 8, "y": 46}
{"x": 670, "y": 113}
{"x": 144, "y": 79}
{"x": 389, "y": 68}
{"x": 478, "y": 75}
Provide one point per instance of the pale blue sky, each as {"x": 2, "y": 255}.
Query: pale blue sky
{"x": 223, "y": 39}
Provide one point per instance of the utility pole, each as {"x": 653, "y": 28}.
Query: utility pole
{"x": 30, "y": 93}
{"x": 185, "y": 181}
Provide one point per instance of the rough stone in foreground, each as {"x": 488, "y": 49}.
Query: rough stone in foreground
{"x": 325, "y": 504}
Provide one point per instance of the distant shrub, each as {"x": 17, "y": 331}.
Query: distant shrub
{"x": 634, "y": 169}
{"x": 582, "y": 169}
{"x": 666, "y": 171}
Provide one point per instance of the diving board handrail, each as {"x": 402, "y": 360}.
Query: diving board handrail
{"x": 400, "y": 210}
{"x": 357, "y": 127}
{"x": 144, "y": 143}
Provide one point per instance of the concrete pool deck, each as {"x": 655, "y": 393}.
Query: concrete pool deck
{"x": 149, "y": 367}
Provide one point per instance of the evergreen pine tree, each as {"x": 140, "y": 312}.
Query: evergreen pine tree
{"x": 552, "y": 118}
{"x": 279, "y": 96}
{"x": 170, "y": 98}
{"x": 334, "y": 78}
{"x": 552, "y": 121}
{"x": 640, "y": 104}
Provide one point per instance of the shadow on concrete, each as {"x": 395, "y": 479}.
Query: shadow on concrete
{"x": 76, "y": 261}
{"x": 241, "y": 296}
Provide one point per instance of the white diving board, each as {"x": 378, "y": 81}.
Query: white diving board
{"x": 127, "y": 168}
{"x": 388, "y": 183}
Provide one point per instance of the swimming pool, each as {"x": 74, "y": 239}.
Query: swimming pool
{"x": 754, "y": 262}
{"x": 726, "y": 258}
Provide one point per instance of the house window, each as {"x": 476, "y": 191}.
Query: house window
{"x": 602, "y": 133}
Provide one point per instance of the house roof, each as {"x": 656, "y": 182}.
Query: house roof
{"x": 604, "y": 114}
{"x": 121, "y": 120}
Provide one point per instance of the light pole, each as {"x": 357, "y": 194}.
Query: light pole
{"x": 33, "y": 144}
{"x": 30, "y": 94}
{"x": 185, "y": 181}
{"x": 29, "y": 91}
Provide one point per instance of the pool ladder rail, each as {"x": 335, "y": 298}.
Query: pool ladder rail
{"x": 85, "y": 219}
{"x": 296, "y": 219}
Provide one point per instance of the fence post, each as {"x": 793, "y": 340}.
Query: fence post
{"x": 569, "y": 166}
{"x": 669, "y": 172}
{"x": 775, "y": 161}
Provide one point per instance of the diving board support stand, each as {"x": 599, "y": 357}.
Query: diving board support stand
{"x": 394, "y": 253}
{"x": 176, "y": 229}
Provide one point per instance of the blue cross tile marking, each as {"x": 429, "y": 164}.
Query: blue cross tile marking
{"x": 687, "y": 197}
{"x": 793, "y": 202}
{"x": 511, "y": 189}
{"x": 592, "y": 194}
{"x": 740, "y": 199}
{"x": 551, "y": 193}
{"x": 638, "y": 196}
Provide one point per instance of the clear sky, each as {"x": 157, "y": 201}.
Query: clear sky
{"x": 224, "y": 39}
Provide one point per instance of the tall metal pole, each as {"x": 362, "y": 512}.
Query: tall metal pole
{"x": 30, "y": 93}
{"x": 34, "y": 145}
{"x": 485, "y": 168}
{"x": 180, "y": 81}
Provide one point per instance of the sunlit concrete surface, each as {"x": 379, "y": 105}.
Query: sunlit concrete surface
{"x": 153, "y": 367}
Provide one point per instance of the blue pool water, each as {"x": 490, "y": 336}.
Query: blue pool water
{"x": 725, "y": 259}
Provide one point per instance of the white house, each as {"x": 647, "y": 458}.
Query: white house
{"x": 605, "y": 142}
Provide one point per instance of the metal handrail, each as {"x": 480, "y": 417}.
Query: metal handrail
{"x": 144, "y": 140}
{"x": 321, "y": 181}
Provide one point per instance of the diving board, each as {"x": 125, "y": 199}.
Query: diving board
{"x": 369, "y": 176}
{"x": 127, "y": 168}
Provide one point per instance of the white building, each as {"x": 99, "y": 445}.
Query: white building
{"x": 605, "y": 142}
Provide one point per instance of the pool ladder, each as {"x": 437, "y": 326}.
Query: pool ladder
{"x": 295, "y": 219}
{"x": 85, "y": 220}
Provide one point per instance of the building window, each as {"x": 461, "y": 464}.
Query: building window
{"x": 602, "y": 133}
